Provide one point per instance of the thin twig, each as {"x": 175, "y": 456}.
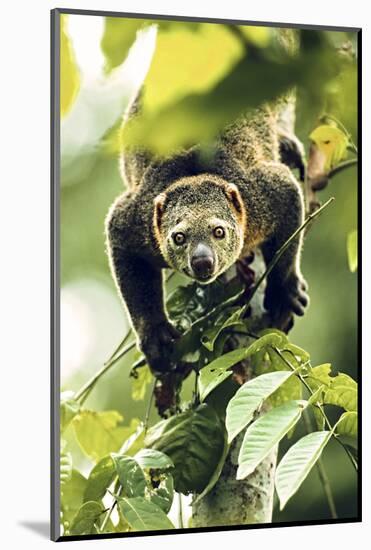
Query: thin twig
{"x": 110, "y": 510}
{"x": 125, "y": 447}
{"x": 342, "y": 166}
{"x": 322, "y": 472}
{"x": 148, "y": 411}
{"x": 102, "y": 371}
{"x": 180, "y": 511}
{"x": 87, "y": 391}
{"x": 121, "y": 344}
{"x": 83, "y": 392}
{"x": 196, "y": 396}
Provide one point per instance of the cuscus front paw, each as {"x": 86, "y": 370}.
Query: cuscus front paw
{"x": 297, "y": 296}
{"x": 282, "y": 300}
{"x": 157, "y": 344}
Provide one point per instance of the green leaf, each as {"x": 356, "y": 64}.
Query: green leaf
{"x": 194, "y": 440}
{"x": 352, "y": 249}
{"x": 69, "y": 409}
{"x": 109, "y": 527}
{"x": 119, "y": 35}
{"x": 332, "y": 142}
{"x": 150, "y": 458}
{"x": 218, "y": 470}
{"x": 272, "y": 338}
{"x": 187, "y": 306}
{"x": 300, "y": 354}
{"x": 340, "y": 390}
{"x": 264, "y": 434}
{"x": 188, "y": 115}
{"x": 319, "y": 375}
{"x": 72, "y": 493}
{"x": 217, "y": 371}
{"x": 316, "y": 399}
{"x": 348, "y": 424}
{"x": 84, "y": 523}
{"x": 100, "y": 478}
{"x": 134, "y": 437}
{"x": 292, "y": 388}
{"x": 210, "y": 335}
{"x": 162, "y": 491}
{"x": 249, "y": 398}
{"x": 122, "y": 526}
{"x": 100, "y": 433}
{"x": 297, "y": 463}
{"x": 131, "y": 475}
{"x": 143, "y": 515}
{"x": 69, "y": 71}
{"x": 140, "y": 382}
{"x": 268, "y": 360}
{"x": 204, "y": 110}
{"x": 211, "y": 376}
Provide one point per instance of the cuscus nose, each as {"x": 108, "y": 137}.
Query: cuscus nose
{"x": 202, "y": 261}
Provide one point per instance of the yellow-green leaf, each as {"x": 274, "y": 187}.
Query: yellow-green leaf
{"x": 72, "y": 493}
{"x": 68, "y": 410}
{"x": 348, "y": 424}
{"x": 86, "y": 519}
{"x": 140, "y": 382}
{"x": 343, "y": 393}
{"x": 352, "y": 249}
{"x": 258, "y": 36}
{"x": 340, "y": 390}
{"x": 188, "y": 61}
{"x": 69, "y": 71}
{"x": 143, "y": 515}
{"x": 319, "y": 375}
{"x": 332, "y": 142}
{"x": 100, "y": 478}
{"x": 100, "y": 433}
{"x": 292, "y": 388}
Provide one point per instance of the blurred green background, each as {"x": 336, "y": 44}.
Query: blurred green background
{"x": 93, "y": 320}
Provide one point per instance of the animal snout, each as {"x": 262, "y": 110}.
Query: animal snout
{"x": 202, "y": 262}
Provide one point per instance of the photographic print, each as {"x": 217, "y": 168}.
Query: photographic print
{"x": 205, "y": 279}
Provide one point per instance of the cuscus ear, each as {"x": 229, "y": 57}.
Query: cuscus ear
{"x": 233, "y": 195}
{"x": 159, "y": 210}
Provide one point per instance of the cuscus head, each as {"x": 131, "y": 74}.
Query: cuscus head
{"x": 199, "y": 224}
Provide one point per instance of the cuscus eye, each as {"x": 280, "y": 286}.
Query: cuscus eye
{"x": 219, "y": 232}
{"x": 179, "y": 238}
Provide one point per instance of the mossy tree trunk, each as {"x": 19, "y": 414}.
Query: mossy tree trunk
{"x": 238, "y": 502}
{"x": 248, "y": 501}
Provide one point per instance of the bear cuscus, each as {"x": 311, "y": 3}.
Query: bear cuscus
{"x": 199, "y": 216}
